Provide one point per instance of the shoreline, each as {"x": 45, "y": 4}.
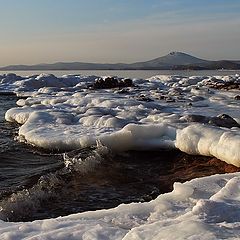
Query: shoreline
{"x": 160, "y": 112}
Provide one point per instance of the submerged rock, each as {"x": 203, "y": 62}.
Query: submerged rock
{"x": 237, "y": 97}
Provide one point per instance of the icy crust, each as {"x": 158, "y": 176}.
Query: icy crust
{"x": 161, "y": 112}
{"x": 210, "y": 141}
{"x": 204, "y": 208}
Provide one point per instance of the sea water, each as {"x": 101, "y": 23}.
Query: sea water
{"x": 36, "y": 184}
{"x": 19, "y": 163}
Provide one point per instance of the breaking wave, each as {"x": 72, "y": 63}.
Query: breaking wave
{"x": 22, "y": 205}
{"x": 95, "y": 178}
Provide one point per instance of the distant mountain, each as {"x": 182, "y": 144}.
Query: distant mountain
{"x": 172, "y": 61}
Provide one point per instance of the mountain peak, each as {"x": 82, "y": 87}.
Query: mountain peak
{"x": 179, "y": 58}
{"x": 175, "y": 53}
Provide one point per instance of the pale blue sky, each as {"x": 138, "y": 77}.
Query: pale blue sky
{"x": 34, "y": 31}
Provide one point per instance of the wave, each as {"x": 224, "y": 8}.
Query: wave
{"x": 22, "y": 205}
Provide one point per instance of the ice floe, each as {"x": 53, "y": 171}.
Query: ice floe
{"x": 188, "y": 113}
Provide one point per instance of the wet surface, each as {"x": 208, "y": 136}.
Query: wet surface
{"x": 37, "y": 185}
{"x": 19, "y": 163}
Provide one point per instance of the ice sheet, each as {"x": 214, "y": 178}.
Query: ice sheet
{"x": 190, "y": 113}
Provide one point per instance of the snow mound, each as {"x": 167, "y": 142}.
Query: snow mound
{"x": 210, "y": 141}
{"x": 161, "y": 112}
{"x": 204, "y": 208}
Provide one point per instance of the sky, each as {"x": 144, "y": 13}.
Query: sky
{"x": 47, "y": 31}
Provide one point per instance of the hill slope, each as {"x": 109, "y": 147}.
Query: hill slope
{"x": 173, "y": 60}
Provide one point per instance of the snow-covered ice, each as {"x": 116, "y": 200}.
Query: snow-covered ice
{"x": 210, "y": 141}
{"x": 160, "y": 112}
{"x": 205, "y": 208}
{"x": 188, "y": 113}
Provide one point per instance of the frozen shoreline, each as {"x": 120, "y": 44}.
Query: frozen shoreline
{"x": 204, "y": 208}
{"x": 161, "y": 112}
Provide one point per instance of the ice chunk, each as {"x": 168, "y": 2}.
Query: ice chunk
{"x": 210, "y": 141}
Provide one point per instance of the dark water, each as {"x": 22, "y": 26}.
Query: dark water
{"x": 36, "y": 185}
{"x": 19, "y": 163}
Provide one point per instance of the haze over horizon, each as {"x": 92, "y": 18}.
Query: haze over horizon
{"x": 117, "y": 31}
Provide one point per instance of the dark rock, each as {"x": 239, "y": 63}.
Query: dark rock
{"x": 162, "y": 97}
{"x": 144, "y": 98}
{"x": 98, "y": 83}
{"x": 128, "y": 82}
{"x": 196, "y": 118}
{"x": 223, "y": 120}
{"x": 169, "y": 99}
{"x": 225, "y": 85}
{"x": 111, "y": 82}
{"x": 237, "y": 97}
